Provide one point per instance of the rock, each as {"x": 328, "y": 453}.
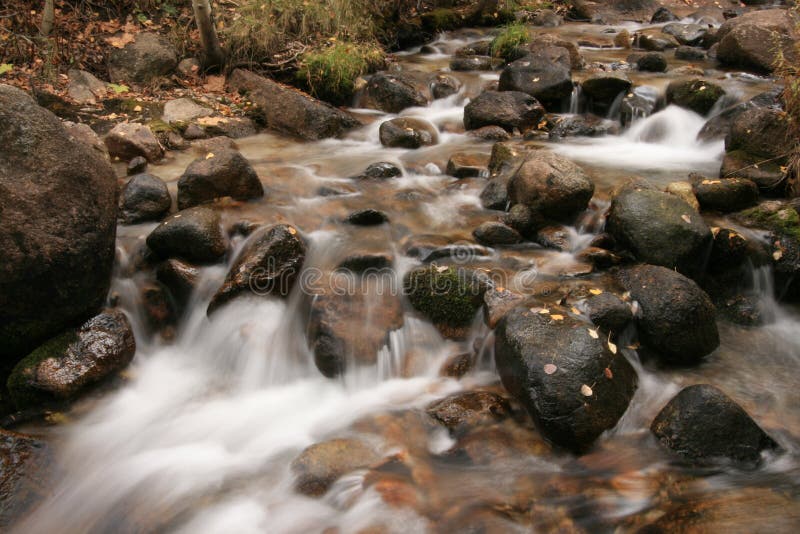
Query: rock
{"x": 602, "y": 89}
{"x": 546, "y": 77}
{"x": 359, "y": 263}
{"x": 542, "y": 42}
{"x": 225, "y": 173}
{"x": 554, "y": 236}
{"x": 569, "y": 381}
{"x": 405, "y": 132}
{"x": 136, "y": 166}
{"x": 583, "y": 126}
{"x": 194, "y": 235}
{"x": 656, "y": 42}
{"x": 685, "y": 192}
{"x": 392, "y": 93}
{"x": 652, "y": 62}
{"x": 492, "y": 233}
{"x": 760, "y": 131}
{"x": 607, "y": 311}
{"x": 184, "y": 110}
{"x": 348, "y": 330}
{"x": 662, "y": 14}
{"x": 84, "y": 88}
{"x": 462, "y": 412}
{"x": 84, "y": 134}
{"x": 676, "y": 318}
{"x": 598, "y": 257}
{"x": 128, "y": 140}
{"x": 66, "y": 365}
{"x": 719, "y": 125}
{"x": 25, "y": 471}
{"x": 701, "y": 424}
{"x": 661, "y": 229}
{"x": 497, "y": 302}
{"x": 490, "y": 133}
{"x": 290, "y": 111}
{"x": 495, "y": 195}
{"x": 144, "y": 197}
{"x": 180, "y": 279}
{"x": 448, "y": 296}
{"x": 444, "y": 85}
{"x": 59, "y": 210}
{"x": 551, "y": 185}
{"x": 752, "y": 40}
{"x": 189, "y": 67}
{"x": 213, "y": 144}
{"x": 269, "y": 264}
{"x": 729, "y": 252}
{"x": 524, "y": 220}
{"x": 623, "y": 39}
{"x": 696, "y": 95}
{"x": 367, "y": 217}
{"x": 547, "y": 18}
{"x": 511, "y": 110}
{"x": 470, "y": 63}
{"x": 638, "y": 104}
{"x": 689, "y": 53}
{"x": 380, "y": 171}
{"x": 686, "y": 34}
{"x": 149, "y": 56}
{"x": 726, "y": 195}
{"x": 467, "y": 165}
{"x": 767, "y": 175}
{"x": 321, "y": 464}
{"x": 458, "y": 365}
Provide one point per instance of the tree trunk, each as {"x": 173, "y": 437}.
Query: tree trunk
{"x": 213, "y": 56}
{"x": 48, "y": 18}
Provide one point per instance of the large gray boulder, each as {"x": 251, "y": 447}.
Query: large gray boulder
{"x": 58, "y": 211}
{"x": 146, "y": 58}
{"x": 753, "y": 40}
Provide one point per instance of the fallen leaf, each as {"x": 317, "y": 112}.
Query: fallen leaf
{"x": 442, "y": 269}
{"x": 214, "y": 84}
{"x": 119, "y": 41}
{"x": 209, "y": 155}
{"x": 557, "y": 317}
{"x": 586, "y": 391}
{"x": 608, "y": 373}
{"x": 292, "y": 230}
{"x": 593, "y": 333}
{"x": 686, "y": 218}
{"x": 595, "y": 291}
{"x": 550, "y": 368}
{"x": 137, "y": 109}
{"x": 778, "y": 254}
{"x": 575, "y": 310}
{"x": 612, "y": 347}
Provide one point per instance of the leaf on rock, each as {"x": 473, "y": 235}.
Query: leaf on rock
{"x": 586, "y": 391}
{"x": 550, "y": 368}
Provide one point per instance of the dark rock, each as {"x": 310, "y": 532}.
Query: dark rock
{"x": 25, "y": 472}
{"x": 689, "y": 53}
{"x": 551, "y": 185}
{"x": 554, "y": 236}
{"x": 583, "y": 126}
{"x": 609, "y": 312}
{"x": 730, "y": 251}
{"x": 66, "y": 365}
{"x": 726, "y": 195}
{"x": 752, "y": 41}
{"x": 321, "y": 464}
{"x": 381, "y": 170}
{"x": 269, "y": 264}
{"x": 600, "y": 258}
{"x": 497, "y": 302}
{"x": 767, "y": 175}
{"x": 490, "y": 133}
{"x": 367, "y": 217}
{"x": 405, "y": 132}
{"x": 569, "y": 381}
{"x": 719, "y": 125}
{"x": 492, "y": 233}
{"x": 686, "y": 34}
{"x": 146, "y": 58}
{"x": 470, "y": 63}
{"x": 656, "y": 42}
{"x": 194, "y": 234}
{"x": 602, "y": 89}
{"x": 701, "y": 424}
{"x": 652, "y": 62}
{"x": 393, "y": 93}
{"x": 158, "y": 308}
{"x": 547, "y": 18}
{"x": 458, "y": 365}
{"x": 524, "y": 220}
{"x": 444, "y": 85}
{"x": 233, "y": 127}
{"x": 448, "y": 296}
{"x": 696, "y": 95}
{"x": 358, "y": 263}
{"x": 676, "y": 318}
{"x": 180, "y": 279}
{"x": 663, "y": 14}
{"x": 760, "y": 131}
{"x": 58, "y": 198}
{"x": 290, "y": 111}
{"x": 137, "y": 165}
{"x": 128, "y": 140}
{"x": 638, "y": 104}
{"x": 661, "y": 229}
{"x": 144, "y": 198}
{"x": 218, "y": 174}
{"x": 511, "y": 110}
{"x": 546, "y": 77}
{"x": 495, "y": 195}
{"x": 478, "y": 48}
{"x": 467, "y": 165}
{"x": 462, "y": 412}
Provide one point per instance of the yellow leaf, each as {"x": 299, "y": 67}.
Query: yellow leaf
{"x": 593, "y": 332}
{"x": 778, "y": 254}
{"x": 612, "y": 347}
{"x": 686, "y": 218}
{"x": 586, "y": 391}
{"x": 575, "y": 310}
{"x": 209, "y": 155}
{"x": 557, "y": 317}
{"x": 595, "y": 291}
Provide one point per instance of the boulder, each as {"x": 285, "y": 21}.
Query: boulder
{"x": 321, "y": 464}
{"x": 462, "y": 412}
{"x": 84, "y": 88}
{"x": 719, "y": 125}
{"x": 149, "y": 56}
{"x": 609, "y": 312}
{"x": 696, "y": 95}
{"x": 760, "y": 131}
{"x": 554, "y": 236}
{"x": 752, "y": 41}
{"x": 661, "y": 229}
{"x": 194, "y": 234}
{"x": 470, "y": 63}
{"x": 184, "y": 110}
{"x": 58, "y": 199}
{"x": 656, "y": 42}
{"x": 493, "y": 233}
{"x": 405, "y": 132}
{"x": 686, "y": 34}
{"x": 380, "y": 171}
{"x": 511, "y": 110}
{"x": 233, "y": 127}
{"x": 638, "y": 104}
{"x": 652, "y": 62}
{"x": 601, "y": 90}
{"x": 269, "y": 264}
{"x": 570, "y": 382}
{"x": 392, "y": 93}
{"x": 546, "y": 77}
{"x": 725, "y": 195}
{"x": 128, "y": 140}
{"x": 136, "y": 166}
{"x": 767, "y": 175}
{"x": 287, "y": 110}
{"x": 547, "y": 18}
{"x": 683, "y": 190}
{"x": 180, "y": 279}
{"x": 702, "y": 425}
{"x": 690, "y": 53}
{"x": 582, "y": 126}
{"x": 444, "y": 85}
{"x": 225, "y": 173}
{"x": 367, "y": 217}
{"x": 551, "y": 185}
{"x": 663, "y": 14}
{"x": 66, "y": 365}
{"x": 467, "y": 165}
{"x": 84, "y": 134}
{"x": 144, "y": 197}
{"x": 676, "y": 319}
{"x": 26, "y": 470}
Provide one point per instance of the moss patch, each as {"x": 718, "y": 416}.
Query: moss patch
{"x": 446, "y": 295}
{"x": 783, "y": 222}
{"x": 441, "y": 20}
{"x": 509, "y": 38}
{"x": 21, "y": 383}
{"x": 330, "y": 72}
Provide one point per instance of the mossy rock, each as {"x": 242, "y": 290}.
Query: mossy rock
{"x": 782, "y": 222}
{"x": 696, "y": 95}
{"x": 442, "y": 20}
{"x": 21, "y": 382}
{"x": 448, "y": 296}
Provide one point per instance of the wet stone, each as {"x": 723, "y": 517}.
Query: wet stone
{"x": 367, "y": 217}
{"x": 464, "y": 411}
{"x": 467, "y": 165}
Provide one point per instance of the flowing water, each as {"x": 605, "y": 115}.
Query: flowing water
{"x": 199, "y": 436}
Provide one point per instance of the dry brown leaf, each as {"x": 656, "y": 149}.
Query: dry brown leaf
{"x": 586, "y": 391}
{"x": 557, "y": 317}
{"x": 214, "y": 84}
{"x": 686, "y": 219}
{"x": 608, "y": 373}
{"x": 550, "y": 368}
{"x": 595, "y": 291}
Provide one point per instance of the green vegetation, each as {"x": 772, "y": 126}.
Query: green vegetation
{"x": 330, "y": 72}
{"x": 790, "y": 72}
{"x": 441, "y": 20}
{"x": 21, "y": 382}
{"x": 509, "y": 38}
{"x": 784, "y": 222}
{"x": 447, "y": 296}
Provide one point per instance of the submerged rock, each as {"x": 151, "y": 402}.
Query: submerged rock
{"x": 144, "y": 197}
{"x": 367, "y": 217}
{"x": 696, "y": 95}
{"x": 66, "y": 365}
{"x": 467, "y": 165}
{"x": 511, "y": 110}
{"x": 407, "y": 132}
{"x": 493, "y": 233}
{"x": 194, "y": 234}
{"x": 381, "y": 170}
{"x": 570, "y": 382}
{"x": 583, "y": 126}
{"x": 225, "y": 173}
{"x": 701, "y": 424}
{"x": 25, "y": 472}
{"x": 462, "y": 412}
{"x": 321, "y": 464}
